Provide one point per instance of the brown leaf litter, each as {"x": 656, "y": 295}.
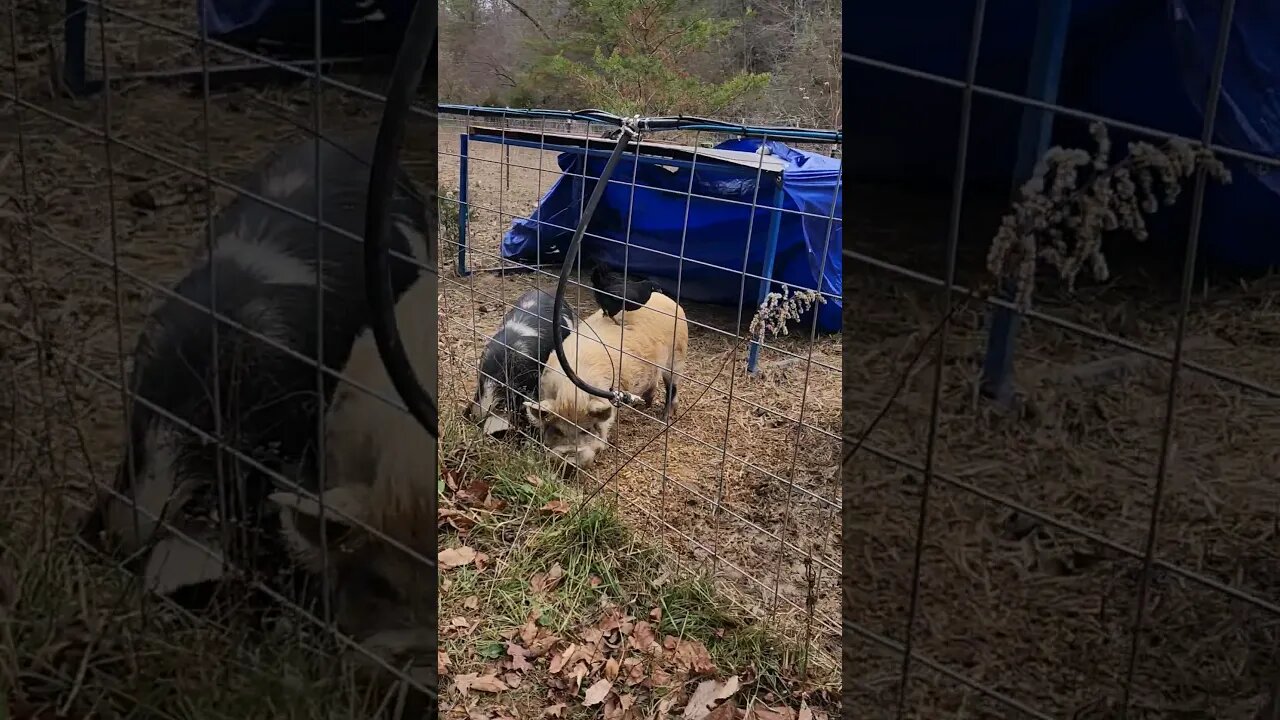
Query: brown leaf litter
{"x": 614, "y": 666}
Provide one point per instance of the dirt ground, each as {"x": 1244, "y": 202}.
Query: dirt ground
{"x": 734, "y": 481}
{"x": 1020, "y": 607}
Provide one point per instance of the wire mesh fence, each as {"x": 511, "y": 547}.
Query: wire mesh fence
{"x": 182, "y": 294}
{"x": 163, "y": 229}
{"x": 1092, "y": 544}
{"x": 736, "y": 485}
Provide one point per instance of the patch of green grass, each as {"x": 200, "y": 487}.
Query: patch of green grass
{"x": 603, "y": 562}
{"x": 450, "y": 211}
{"x": 692, "y": 608}
{"x": 75, "y": 635}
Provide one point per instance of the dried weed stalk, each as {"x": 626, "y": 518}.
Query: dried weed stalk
{"x": 780, "y": 308}
{"x": 1060, "y": 222}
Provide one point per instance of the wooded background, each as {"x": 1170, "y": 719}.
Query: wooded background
{"x": 774, "y": 61}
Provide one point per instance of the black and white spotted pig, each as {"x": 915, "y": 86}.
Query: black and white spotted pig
{"x": 265, "y": 279}
{"x": 513, "y": 361}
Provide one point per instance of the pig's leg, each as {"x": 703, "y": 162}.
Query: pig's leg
{"x": 669, "y": 378}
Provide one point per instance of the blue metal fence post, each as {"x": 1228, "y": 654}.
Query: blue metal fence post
{"x": 770, "y": 251}
{"x": 73, "y": 46}
{"x": 1043, "y": 76}
{"x": 462, "y": 205}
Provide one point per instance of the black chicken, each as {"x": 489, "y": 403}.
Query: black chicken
{"x": 613, "y": 297}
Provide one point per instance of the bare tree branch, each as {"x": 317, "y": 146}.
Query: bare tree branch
{"x": 528, "y": 17}
{"x": 498, "y": 71}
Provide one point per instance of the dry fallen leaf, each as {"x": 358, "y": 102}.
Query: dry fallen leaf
{"x": 691, "y": 655}
{"x": 459, "y": 520}
{"x": 558, "y": 662}
{"x": 471, "y": 603}
{"x": 589, "y": 654}
{"x": 541, "y": 582}
{"x": 620, "y": 708}
{"x": 558, "y": 507}
{"x": 456, "y": 557}
{"x": 708, "y": 693}
{"x": 442, "y": 662}
{"x": 764, "y": 712}
{"x": 596, "y": 693}
{"x": 554, "y": 710}
{"x": 488, "y": 683}
{"x": 543, "y": 644}
{"x": 727, "y": 710}
{"x": 626, "y": 707}
{"x": 643, "y": 637}
{"x": 529, "y": 631}
{"x": 473, "y": 492}
{"x": 659, "y": 678}
{"x": 518, "y": 655}
{"x": 611, "y": 621}
{"x": 611, "y": 668}
{"x": 635, "y": 670}
{"x": 462, "y": 683}
{"x": 805, "y": 712}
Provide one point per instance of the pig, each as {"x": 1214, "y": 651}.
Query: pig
{"x": 613, "y": 295}
{"x": 381, "y": 478}
{"x": 513, "y": 360}
{"x": 631, "y": 354}
{"x": 265, "y": 262}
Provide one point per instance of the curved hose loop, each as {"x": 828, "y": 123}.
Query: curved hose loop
{"x": 571, "y": 255}
{"x": 416, "y": 52}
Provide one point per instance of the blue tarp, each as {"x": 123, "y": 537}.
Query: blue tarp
{"x": 225, "y": 17}
{"x": 292, "y": 20}
{"x": 1146, "y": 63}
{"x": 718, "y": 233}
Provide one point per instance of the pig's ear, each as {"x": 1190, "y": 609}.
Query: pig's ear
{"x": 348, "y": 500}
{"x": 537, "y": 413}
{"x": 300, "y": 522}
{"x": 599, "y": 408}
{"x": 495, "y": 425}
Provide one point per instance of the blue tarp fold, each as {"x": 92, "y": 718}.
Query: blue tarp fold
{"x": 720, "y": 230}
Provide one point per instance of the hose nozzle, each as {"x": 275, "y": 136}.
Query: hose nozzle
{"x": 623, "y": 397}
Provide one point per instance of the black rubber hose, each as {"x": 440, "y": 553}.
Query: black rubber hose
{"x": 417, "y": 50}
{"x": 572, "y": 255}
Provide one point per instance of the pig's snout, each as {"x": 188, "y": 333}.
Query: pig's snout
{"x": 575, "y": 458}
